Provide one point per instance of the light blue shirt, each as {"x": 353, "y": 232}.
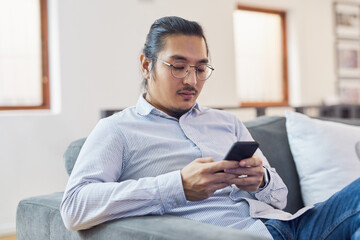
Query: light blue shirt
{"x": 130, "y": 166}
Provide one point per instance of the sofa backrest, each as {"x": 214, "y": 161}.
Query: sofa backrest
{"x": 270, "y": 132}
{"x": 71, "y": 154}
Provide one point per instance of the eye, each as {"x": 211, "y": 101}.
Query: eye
{"x": 201, "y": 68}
{"x": 180, "y": 66}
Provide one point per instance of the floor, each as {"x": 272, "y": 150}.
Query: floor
{"x": 10, "y": 237}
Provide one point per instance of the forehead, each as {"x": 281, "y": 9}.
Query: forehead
{"x": 192, "y": 48}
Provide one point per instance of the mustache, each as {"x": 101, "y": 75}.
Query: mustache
{"x": 188, "y": 89}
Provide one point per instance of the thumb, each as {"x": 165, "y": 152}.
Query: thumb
{"x": 205, "y": 160}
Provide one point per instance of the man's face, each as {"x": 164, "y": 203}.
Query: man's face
{"x": 172, "y": 95}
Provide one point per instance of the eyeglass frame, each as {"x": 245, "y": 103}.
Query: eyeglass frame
{"x": 188, "y": 70}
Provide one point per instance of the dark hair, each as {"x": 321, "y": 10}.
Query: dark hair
{"x": 163, "y": 28}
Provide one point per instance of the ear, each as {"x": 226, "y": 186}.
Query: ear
{"x": 145, "y": 66}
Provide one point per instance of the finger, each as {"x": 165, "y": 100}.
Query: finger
{"x": 221, "y": 165}
{"x": 212, "y": 180}
{"x": 254, "y": 161}
{"x": 222, "y": 177}
{"x": 244, "y": 182}
{"x": 250, "y": 171}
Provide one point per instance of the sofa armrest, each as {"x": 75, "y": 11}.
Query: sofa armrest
{"x": 39, "y": 218}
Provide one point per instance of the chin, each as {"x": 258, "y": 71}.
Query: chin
{"x": 187, "y": 106}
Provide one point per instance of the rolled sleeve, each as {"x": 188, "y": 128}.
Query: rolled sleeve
{"x": 264, "y": 191}
{"x": 171, "y": 190}
{"x": 275, "y": 192}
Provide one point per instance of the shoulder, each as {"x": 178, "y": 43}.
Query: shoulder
{"x": 118, "y": 121}
{"x": 124, "y": 115}
{"x": 218, "y": 114}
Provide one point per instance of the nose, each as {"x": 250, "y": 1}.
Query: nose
{"x": 191, "y": 78}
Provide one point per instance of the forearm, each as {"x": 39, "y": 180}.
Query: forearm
{"x": 275, "y": 192}
{"x": 91, "y": 203}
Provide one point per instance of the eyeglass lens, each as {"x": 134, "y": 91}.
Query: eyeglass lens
{"x": 180, "y": 70}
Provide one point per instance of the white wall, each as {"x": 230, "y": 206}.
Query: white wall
{"x": 95, "y": 47}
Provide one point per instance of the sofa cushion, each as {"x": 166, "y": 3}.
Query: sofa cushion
{"x": 39, "y": 218}
{"x": 270, "y": 132}
{"x": 324, "y": 154}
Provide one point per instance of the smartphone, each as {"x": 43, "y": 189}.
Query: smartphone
{"x": 241, "y": 150}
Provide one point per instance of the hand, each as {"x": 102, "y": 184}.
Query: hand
{"x": 252, "y": 174}
{"x": 201, "y": 178}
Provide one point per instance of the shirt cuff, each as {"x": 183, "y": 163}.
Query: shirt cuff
{"x": 171, "y": 190}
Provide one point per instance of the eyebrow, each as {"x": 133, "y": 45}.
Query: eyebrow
{"x": 179, "y": 57}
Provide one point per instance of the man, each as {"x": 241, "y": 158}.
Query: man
{"x": 164, "y": 155}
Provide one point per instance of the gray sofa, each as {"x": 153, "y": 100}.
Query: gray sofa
{"x": 39, "y": 217}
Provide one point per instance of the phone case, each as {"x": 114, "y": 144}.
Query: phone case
{"x": 241, "y": 150}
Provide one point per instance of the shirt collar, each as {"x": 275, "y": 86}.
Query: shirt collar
{"x": 144, "y": 108}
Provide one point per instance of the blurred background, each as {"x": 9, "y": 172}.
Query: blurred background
{"x": 63, "y": 62}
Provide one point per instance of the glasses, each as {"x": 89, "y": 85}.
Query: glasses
{"x": 182, "y": 69}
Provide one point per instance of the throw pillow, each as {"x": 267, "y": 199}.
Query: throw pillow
{"x": 324, "y": 155}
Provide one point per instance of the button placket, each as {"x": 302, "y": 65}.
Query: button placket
{"x": 183, "y": 125}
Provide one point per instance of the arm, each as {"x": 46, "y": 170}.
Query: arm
{"x": 93, "y": 195}
{"x": 275, "y": 191}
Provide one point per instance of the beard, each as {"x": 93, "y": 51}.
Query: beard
{"x": 173, "y": 111}
{"x": 178, "y": 112}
